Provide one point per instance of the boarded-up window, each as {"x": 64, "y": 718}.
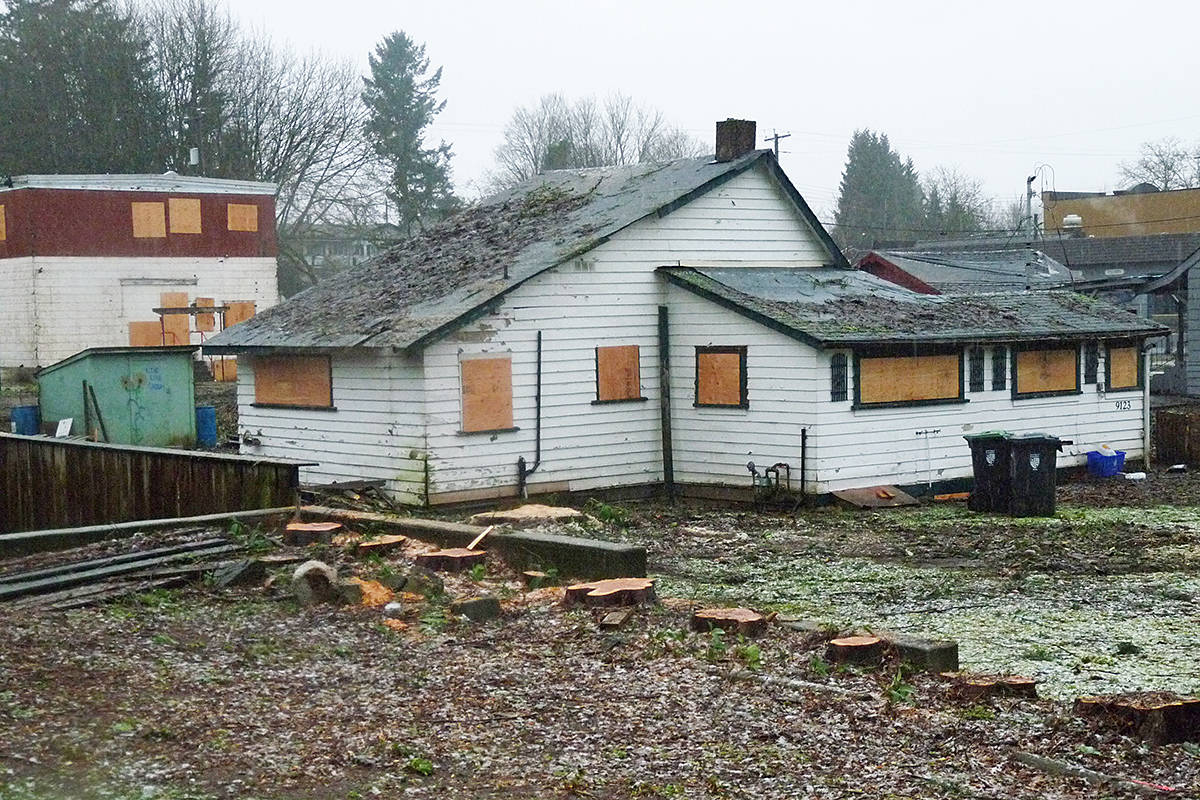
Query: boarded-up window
{"x": 176, "y": 327}
{"x": 999, "y": 368}
{"x": 487, "y": 401}
{"x": 238, "y": 311}
{"x": 1091, "y": 362}
{"x": 909, "y": 379}
{"x": 185, "y": 214}
{"x": 205, "y": 322}
{"x": 297, "y": 381}
{"x": 721, "y": 377}
{"x": 1047, "y": 372}
{"x": 243, "y": 217}
{"x": 145, "y": 334}
{"x": 1123, "y": 368}
{"x": 975, "y": 368}
{"x": 3, "y": 226}
{"x": 618, "y": 374}
{"x": 839, "y": 378}
{"x": 149, "y": 220}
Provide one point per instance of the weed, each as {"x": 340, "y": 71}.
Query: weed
{"x": 1039, "y": 652}
{"x": 1086, "y": 750}
{"x": 123, "y": 726}
{"x": 1191, "y": 748}
{"x": 478, "y": 572}
{"x": 716, "y": 644}
{"x": 252, "y": 539}
{"x": 750, "y": 655}
{"x": 977, "y": 712}
{"x": 818, "y": 665}
{"x": 898, "y": 691}
{"x": 612, "y": 515}
{"x": 434, "y": 620}
{"x": 419, "y": 765}
{"x": 162, "y": 638}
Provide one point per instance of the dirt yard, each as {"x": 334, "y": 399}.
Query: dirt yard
{"x": 206, "y": 693}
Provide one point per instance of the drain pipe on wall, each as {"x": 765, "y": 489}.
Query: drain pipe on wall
{"x": 1146, "y": 407}
{"x": 523, "y": 470}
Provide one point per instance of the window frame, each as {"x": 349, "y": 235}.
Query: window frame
{"x": 839, "y": 378}
{"x": 976, "y": 372}
{"x": 254, "y": 365}
{"x": 1000, "y": 367}
{"x": 1091, "y": 363}
{"x": 742, "y": 352}
{"x": 640, "y": 398}
{"x": 1077, "y": 347}
{"x": 462, "y": 408}
{"x": 909, "y": 352}
{"x": 1109, "y": 346}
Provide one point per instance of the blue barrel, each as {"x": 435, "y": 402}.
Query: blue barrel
{"x": 26, "y": 420}
{"x": 206, "y": 426}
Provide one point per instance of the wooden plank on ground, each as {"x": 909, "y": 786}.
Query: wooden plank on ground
{"x": 876, "y": 497}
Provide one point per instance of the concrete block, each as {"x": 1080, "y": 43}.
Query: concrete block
{"x": 930, "y": 655}
{"x": 477, "y": 609}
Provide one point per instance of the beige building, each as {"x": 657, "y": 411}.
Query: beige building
{"x": 1140, "y": 211}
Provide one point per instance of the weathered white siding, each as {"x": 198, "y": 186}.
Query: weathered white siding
{"x": 88, "y": 302}
{"x": 376, "y": 431}
{"x": 16, "y": 312}
{"x": 713, "y": 445}
{"x": 861, "y": 447}
{"x": 609, "y": 297}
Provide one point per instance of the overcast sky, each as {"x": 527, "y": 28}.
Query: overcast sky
{"x": 993, "y": 89}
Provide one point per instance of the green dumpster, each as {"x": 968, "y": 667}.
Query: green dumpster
{"x": 123, "y": 395}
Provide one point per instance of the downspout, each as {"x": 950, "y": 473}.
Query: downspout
{"x": 803, "y": 463}
{"x": 523, "y": 470}
{"x": 664, "y": 394}
{"x": 1146, "y": 405}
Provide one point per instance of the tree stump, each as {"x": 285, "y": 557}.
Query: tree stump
{"x": 536, "y": 579}
{"x": 380, "y": 544}
{"x": 1156, "y": 717}
{"x": 611, "y": 592}
{"x": 861, "y": 650}
{"x": 730, "y": 620}
{"x": 454, "y": 559}
{"x": 975, "y": 688}
{"x": 306, "y": 533}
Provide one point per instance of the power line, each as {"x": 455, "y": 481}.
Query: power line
{"x": 1002, "y": 230}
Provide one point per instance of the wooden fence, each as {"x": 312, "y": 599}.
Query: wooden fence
{"x": 1177, "y": 435}
{"x": 58, "y": 483}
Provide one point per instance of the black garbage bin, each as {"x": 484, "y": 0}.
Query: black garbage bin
{"x": 1033, "y": 460}
{"x": 990, "y": 466}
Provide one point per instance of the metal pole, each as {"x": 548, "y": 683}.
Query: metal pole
{"x": 1146, "y": 408}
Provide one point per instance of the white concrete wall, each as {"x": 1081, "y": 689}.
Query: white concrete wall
{"x": 609, "y": 297}
{"x": 16, "y": 313}
{"x": 88, "y": 302}
{"x": 852, "y": 448}
{"x": 376, "y": 430}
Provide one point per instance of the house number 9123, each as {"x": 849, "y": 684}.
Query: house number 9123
{"x": 1124, "y": 405}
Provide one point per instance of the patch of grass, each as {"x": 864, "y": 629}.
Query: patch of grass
{"x": 419, "y": 765}
{"x": 716, "y": 645}
{"x": 1038, "y": 652}
{"x": 818, "y": 665}
{"x": 977, "y": 712}
{"x": 478, "y": 572}
{"x": 616, "y": 516}
{"x": 252, "y": 538}
{"x": 123, "y": 726}
{"x": 749, "y": 654}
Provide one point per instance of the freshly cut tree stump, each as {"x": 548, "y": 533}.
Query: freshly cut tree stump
{"x": 730, "y": 620}
{"x": 380, "y": 544}
{"x": 974, "y": 688}
{"x": 862, "y": 650}
{"x": 454, "y": 559}
{"x": 1156, "y": 717}
{"x": 611, "y": 592}
{"x": 305, "y": 533}
{"x": 536, "y": 579}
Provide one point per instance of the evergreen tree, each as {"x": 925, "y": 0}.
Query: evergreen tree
{"x": 880, "y": 195}
{"x": 401, "y": 100}
{"x": 76, "y": 89}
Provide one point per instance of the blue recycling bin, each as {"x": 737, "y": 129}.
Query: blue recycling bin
{"x": 26, "y": 420}
{"x": 206, "y": 426}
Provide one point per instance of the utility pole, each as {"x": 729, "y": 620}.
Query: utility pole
{"x": 1029, "y": 205}
{"x": 775, "y": 137}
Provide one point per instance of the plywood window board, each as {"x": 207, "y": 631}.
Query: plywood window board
{"x": 242, "y": 217}
{"x": 238, "y": 311}
{"x": 293, "y": 381}
{"x": 721, "y": 377}
{"x": 176, "y": 327}
{"x": 3, "y": 225}
{"x": 145, "y": 334}
{"x": 185, "y": 214}
{"x": 487, "y": 397}
{"x": 1123, "y": 370}
{"x": 224, "y": 370}
{"x": 618, "y": 374}
{"x": 149, "y": 220}
{"x": 897, "y": 380}
{"x": 1046, "y": 372}
{"x": 205, "y": 323}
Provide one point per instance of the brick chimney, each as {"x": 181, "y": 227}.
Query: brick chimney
{"x": 735, "y": 137}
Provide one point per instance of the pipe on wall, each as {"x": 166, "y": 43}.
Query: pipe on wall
{"x": 523, "y": 469}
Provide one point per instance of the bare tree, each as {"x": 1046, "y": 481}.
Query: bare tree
{"x": 1166, "y": 163}
{"x": 955, "y": 203}
{"x": 555, "y": 133}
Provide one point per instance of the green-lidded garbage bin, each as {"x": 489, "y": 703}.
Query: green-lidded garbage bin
{"x": 990, "y": 466}
{"x": 1034, "y": 459}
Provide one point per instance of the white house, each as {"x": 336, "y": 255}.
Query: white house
{"x": 86, "y": 259}
{"x": 631, "y": 326}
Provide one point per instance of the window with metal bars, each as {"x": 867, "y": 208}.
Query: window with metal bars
{"x": 999, "y": 368}
{"x": 1091, "y": 362}
{"x": 975, "y": 366}
{"x": 839, "y": 378}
